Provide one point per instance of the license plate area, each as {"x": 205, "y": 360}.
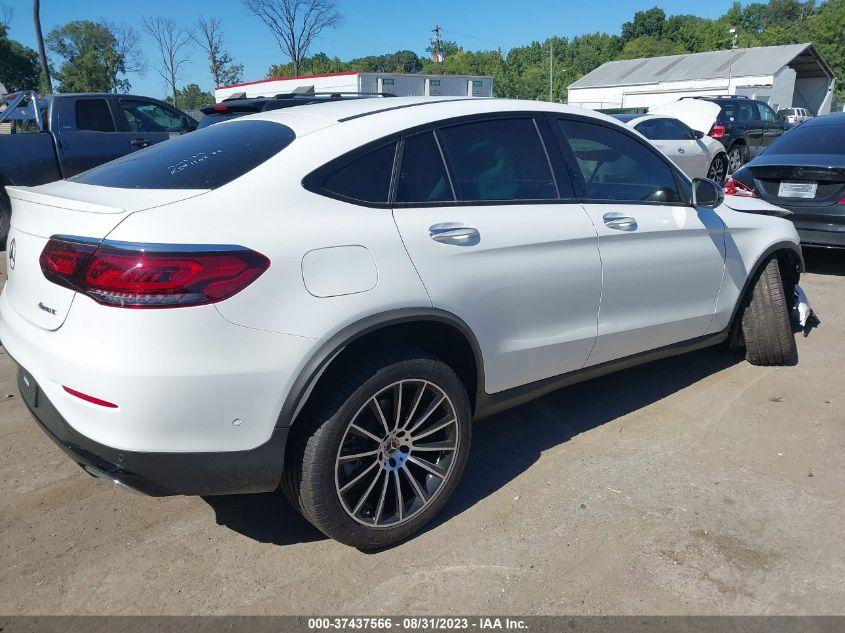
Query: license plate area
{"x": 806, "y": 190}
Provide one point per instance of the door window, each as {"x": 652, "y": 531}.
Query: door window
{"x": 145, "y": 116}
{"x": 677, "y": 131}
{"x": 747, "y": 111}
{"x": 501, "y": 159}
{"x": 94, "y": 115}
{"x": 366, "y": 179}
{"x": 615, "y": 166}
{"x": 766, "y": 114}
{"x": 423, "y": 177}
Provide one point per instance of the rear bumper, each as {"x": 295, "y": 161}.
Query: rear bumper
{"x": 820, "y": 226}
{"x": 160, "y": 474}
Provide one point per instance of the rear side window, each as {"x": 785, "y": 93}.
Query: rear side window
{"x": 501, "y": 159}
{"x": 615, "y": 166}
{"x": 94, "y": 115}
{"x": 205, "y": 159}
{"x": 366, "y": 178}
{"x": 422, "y": 177}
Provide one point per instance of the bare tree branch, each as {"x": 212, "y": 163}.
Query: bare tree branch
{"x": 208, "y": 36}
{"x": 172, "y": 40}
{"x": 295, "y": 23}
{"x": 7, "y": 12}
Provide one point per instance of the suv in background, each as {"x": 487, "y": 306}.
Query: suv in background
{"x": 239, "y": 104}
{"x": 794, "y": 116}
{"x": 744, "y": 126}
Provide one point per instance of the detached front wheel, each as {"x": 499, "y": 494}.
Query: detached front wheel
{"x": 382, "y": 455}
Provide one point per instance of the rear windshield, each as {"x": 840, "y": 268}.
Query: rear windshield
{"x": 205, "y": 159}
{"x": 811, "y": 139}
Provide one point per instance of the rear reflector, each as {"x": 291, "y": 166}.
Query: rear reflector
{"x": 91, "y": 399}
{"x": 132, "y": 275}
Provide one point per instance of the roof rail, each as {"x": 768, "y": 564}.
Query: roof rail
{"x": 716, "y": 97}
{"x": 334, "y": 94}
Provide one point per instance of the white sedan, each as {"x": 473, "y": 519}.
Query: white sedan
{"x": 683, "y": 139}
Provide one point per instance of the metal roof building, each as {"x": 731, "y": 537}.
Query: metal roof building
{"x": 784, "y": 76}
{"x": 399, "y": 84}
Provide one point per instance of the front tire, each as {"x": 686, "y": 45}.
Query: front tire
{"x": 5, "y": 217}
{"x": 382, "y": 451}
{"x": 718, "y": 169}
{"x": 765, "y": 324}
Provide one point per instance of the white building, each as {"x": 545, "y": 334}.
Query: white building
{"x": 399, "y": 84}
{"x": 784, "y": 76}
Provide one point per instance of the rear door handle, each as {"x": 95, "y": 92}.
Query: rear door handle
{"x": 619, "y": 222}
{"x": 681, "y": 150}
{"x": 455, "y": 234}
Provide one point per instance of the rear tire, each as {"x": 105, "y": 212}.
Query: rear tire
{"x": 765, "y": 324}
{"x": 737, "y": 157}
{"x": 386, "y": 495}
{"x": 718, "y": 169}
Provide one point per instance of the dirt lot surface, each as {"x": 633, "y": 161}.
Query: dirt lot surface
{"x": 698, "y": 484}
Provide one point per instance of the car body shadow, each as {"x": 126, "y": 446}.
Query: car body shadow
{"x": 266, "y": 517}
{"x": 504, "y": 445}
{"x": 824, "y": 261}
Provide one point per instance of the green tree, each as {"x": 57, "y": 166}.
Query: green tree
{"x": 18, "y": 64}
{"x": 95, "y": 56}
{"x": 191, "y": 97}
{"x": 648, "y": 23}
{"x": 648, "y": 46}
{"x": 208, "y": 36}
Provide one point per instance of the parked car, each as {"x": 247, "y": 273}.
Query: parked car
{"x": 793, "y": 115}
{"x": 804, "y": 173}
{"x": 240, "y": 105}
{"x": 325, "y": 296}
{"x": 48, "y": 138}
{"x": 697, "y": 155}
{"x": 744, "y": 126}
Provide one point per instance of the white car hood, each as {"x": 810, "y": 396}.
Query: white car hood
{"x": 696, "y": 113}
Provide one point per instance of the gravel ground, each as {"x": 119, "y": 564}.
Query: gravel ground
{"x": 698, "y": 484}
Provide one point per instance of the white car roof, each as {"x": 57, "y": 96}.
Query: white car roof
{"x": 408, "y": 111}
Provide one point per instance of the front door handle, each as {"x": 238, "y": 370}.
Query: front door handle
{"x": 140, "y": 142}
{"x": 681, "y": 150}
{"x": 619, "y": 222}
{"x": 455, "y": 234}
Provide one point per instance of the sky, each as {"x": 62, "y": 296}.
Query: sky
{"x": 369, "y": 27}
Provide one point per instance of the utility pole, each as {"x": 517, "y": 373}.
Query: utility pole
{"x": 437, "y": 44}
{"x": 734, "y": 36}
{"x": 551, "y": 67}
{"x": 42, "y": 55}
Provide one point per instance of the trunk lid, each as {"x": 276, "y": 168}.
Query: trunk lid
{"x": 769, "y": 171}
{"x": 698, "y": 114}
{"x": 63, "y": 208}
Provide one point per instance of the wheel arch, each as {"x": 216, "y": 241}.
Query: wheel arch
{"x": 791, "y": 264}
{"x": 436, "y": 331}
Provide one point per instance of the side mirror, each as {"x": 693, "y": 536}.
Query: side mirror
{"x": 698, "y": 134}
{"x": 707, "y": 193}
{"x": 188, "y": 124}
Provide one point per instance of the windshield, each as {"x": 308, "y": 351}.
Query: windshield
{"x": 205, "y": 159}
{"x": 811, "y": 139}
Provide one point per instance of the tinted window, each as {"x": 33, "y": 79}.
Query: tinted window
{"x": 145, "y": 116}
{"x": 766, "y": 113}
{"x": 617, "y": 167}
{"x": 674, "y": 130}
{"x": 811, "y": 139}
{"x": 367, "y": 178}
{"x": 498, "y": 160}
{"x": 94, "y": 115}
{"x": 651, "y": 129}
{"x": 747, "y": 111}
{"x": 422, "y": 177}
{"x": 206, "y": 159}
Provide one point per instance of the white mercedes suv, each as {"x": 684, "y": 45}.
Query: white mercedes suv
{"x": 325, "y": 297}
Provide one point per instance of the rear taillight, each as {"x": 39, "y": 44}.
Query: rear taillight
{"x": 737, "y": 188}
{"x": 717, "y": 131}
{"x": 132, "y": 275}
